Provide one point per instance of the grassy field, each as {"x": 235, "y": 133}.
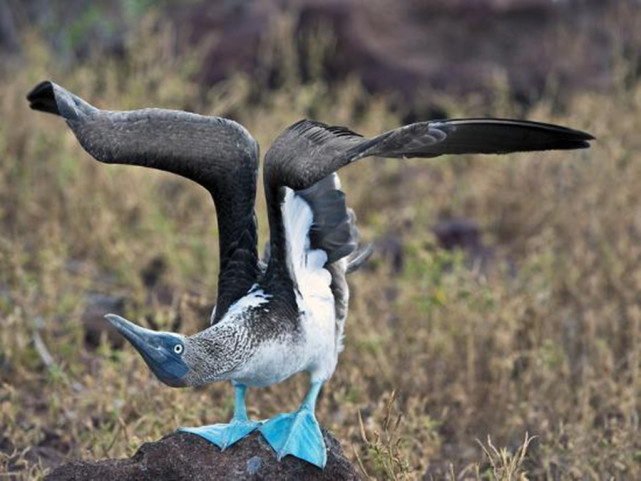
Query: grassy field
{"x": 526, "y": 369}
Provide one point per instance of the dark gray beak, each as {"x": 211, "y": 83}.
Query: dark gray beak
{"x": 156, "y": 348}
{"x": 144, "y": 340}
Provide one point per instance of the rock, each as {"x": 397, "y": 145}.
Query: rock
{"x": 93, "y": 318}
{"x": 186, "y": 456}
{"x": 465, "y": 235}
{"x": 459, "y": 233}
{"x": 418, "y": 47}
{"x": 411, "y": 48}
{"x": 391, "y": 248}
{"x": 9, "y": 37}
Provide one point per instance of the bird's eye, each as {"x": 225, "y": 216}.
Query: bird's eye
{"x": 178, "y": 348}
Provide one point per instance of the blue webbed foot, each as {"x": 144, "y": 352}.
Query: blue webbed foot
{"x": 224, "y": 435}
{"x": 297, "y": 434}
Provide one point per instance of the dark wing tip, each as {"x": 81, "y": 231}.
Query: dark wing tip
{"x": 580, "y": 137}
{"x": 577, "y": 135}
{"x": 584, "y": 135}
{"x": 43, "y": 99}
{"x": 503, "y": 136}
{"x": 567, "y": 132}
{"x": 582, "y": 144}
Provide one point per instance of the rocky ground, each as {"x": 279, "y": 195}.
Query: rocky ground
{"x": 182, "y": 456}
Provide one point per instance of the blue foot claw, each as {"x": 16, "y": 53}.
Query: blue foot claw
{"x": 224, "y": 435}
{"x": 297, "y": 434}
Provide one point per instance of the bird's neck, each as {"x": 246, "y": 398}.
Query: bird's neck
{"x": 215, "y": 353}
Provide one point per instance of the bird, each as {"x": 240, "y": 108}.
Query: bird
{"x": 283, "y": 314}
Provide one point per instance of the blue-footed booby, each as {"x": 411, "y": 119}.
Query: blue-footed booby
{"x": 284, "y": 314}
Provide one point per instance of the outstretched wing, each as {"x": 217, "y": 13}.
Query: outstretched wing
{"x": 310, "y": 224}
{"x": 217, "y": 153}
{"x": 308, "y": 152}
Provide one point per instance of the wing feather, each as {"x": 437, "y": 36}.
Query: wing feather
{"x": 217, "y": 153}
{"x": 308, "y": 152}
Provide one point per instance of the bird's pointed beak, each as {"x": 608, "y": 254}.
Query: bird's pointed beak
{"x": 139, "y": 337}
{"x": 156, "y": 348}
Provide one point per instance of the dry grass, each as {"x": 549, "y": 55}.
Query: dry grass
{"x": 546, "y": 342}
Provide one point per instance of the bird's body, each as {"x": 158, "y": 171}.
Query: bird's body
{"x": 285, "y": 314}
{"x": 267, "y": 349}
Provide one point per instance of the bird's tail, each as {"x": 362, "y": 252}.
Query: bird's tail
{"x": 53, "y": 99}
{"x": 357, "y": 258}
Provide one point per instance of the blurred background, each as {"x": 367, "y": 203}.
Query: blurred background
{"x": 502, "y": 301}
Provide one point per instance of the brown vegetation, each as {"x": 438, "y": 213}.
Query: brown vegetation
{"x": 529, "y": 368}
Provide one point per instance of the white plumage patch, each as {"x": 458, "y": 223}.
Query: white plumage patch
{"x": 314, "y": 297}
{"x": 255, "y": 297}
{"x": 306, "y": 265}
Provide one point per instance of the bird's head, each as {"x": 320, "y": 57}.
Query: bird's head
{"x": 164, "y": 352}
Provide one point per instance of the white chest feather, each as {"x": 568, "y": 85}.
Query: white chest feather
{"x": 314, "y": 297}
{"x": 307, "y": 265}
{"x": 315, "y": 348}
